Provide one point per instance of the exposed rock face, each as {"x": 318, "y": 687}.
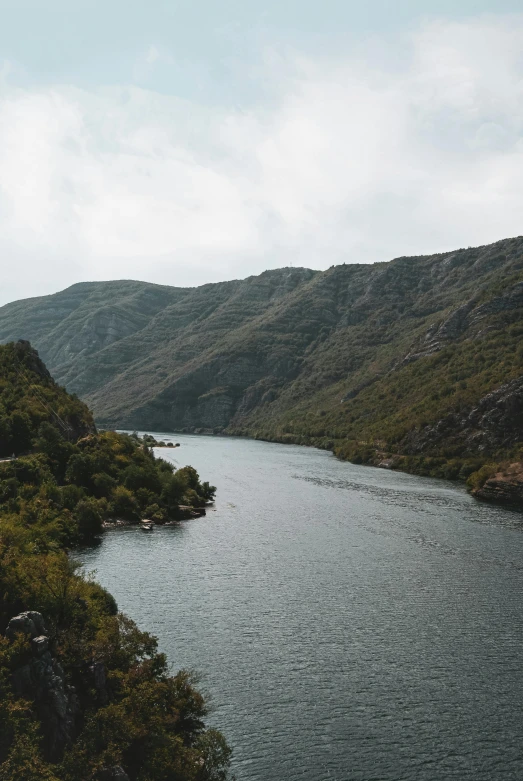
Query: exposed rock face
{"x": 116, "y": 773}
{"x": 468, "y": 319}
{"x": 498, "y": 418}
{"x": 42, "y": 680}
{"x": 496, "y": 422}
{"x": 504, "y": 487}
{"x": 97, "y": 670}
{"x": 29, "y": 623}
{"x": 29, "y": 356}
{"x": 387, "y": 463}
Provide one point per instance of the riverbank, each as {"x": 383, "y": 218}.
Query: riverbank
{"x": 323, "y": 600}
{"x": 504, "y": 486}
{"x": 84, "y": 693}
{"x": 497, "y": 479}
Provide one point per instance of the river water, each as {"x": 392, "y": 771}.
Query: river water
{"x": 349, "y": 623}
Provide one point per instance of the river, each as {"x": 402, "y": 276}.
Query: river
{"x": 348, "y": 623}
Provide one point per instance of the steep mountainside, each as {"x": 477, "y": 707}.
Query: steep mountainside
{"x": 84, "y": 319}
{"x": 356, "y": 355}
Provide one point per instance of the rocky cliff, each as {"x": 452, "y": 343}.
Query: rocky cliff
{"x": 41, "y": 679}
{"x": 505, "y": 486}
{"x": 494, "y": 424}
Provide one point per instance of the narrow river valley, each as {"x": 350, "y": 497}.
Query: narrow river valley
{"x": 348, "y": 623}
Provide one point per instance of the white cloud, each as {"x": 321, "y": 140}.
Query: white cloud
{"x": 356, "y": 159}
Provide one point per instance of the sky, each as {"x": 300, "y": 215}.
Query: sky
{"x": 191, "y": 142}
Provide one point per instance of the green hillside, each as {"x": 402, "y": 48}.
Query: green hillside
{"x": 29, "y": 398}
{"x": 84, "y": 694}
{"x": 356, "y": 357}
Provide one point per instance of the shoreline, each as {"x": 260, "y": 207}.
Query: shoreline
{"x": 493, "y": 481}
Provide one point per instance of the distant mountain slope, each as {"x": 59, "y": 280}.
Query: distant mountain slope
{"x": 92, "y": 333}
{"x": 356, "y": 354}
{"x": 85, "y": 318}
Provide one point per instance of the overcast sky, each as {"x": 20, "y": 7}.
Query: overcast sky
{"x": 196, "y": 141}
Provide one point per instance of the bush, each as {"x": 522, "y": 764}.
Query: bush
{"x": 89, "y": 519}
{"x": 103, "y": 484}
{"x": 123, "y": 504}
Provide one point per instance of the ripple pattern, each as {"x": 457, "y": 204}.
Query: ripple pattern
{"x": 348, "y": 623}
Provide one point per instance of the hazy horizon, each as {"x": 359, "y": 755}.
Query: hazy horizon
{"x": 205, "y": 282}
{"x": 184, "y": 143}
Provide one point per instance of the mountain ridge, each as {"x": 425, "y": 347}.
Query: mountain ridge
{"x": 356, "y": 353}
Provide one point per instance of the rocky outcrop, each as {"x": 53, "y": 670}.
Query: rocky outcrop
{"x": 99, "y": 678}
{"x": 28, "y": 357}
{"x": 42, "y": 680}
{"x": 29, "y": 623}
{"x": 467, "y": 320}
{"x": 498, "y": 418}
{"x": 505, "y": 487}
{"x": 116, "y": 773}
{"x": 495, "y": 423}
{"x": 31, "y": 371}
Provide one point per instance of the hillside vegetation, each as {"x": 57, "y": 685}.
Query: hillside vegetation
{"x": 371, "y": 360}
{"x": 84, "y": 695}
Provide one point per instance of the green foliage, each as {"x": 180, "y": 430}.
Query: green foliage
{"x": 89, "y": 518}
{"x": 124, "y": 504}
{"x": 56, "y": 494}
{"x": 33, "y": 407}
{"x": 479, "y": 478}
{"x": 64, "y": 489}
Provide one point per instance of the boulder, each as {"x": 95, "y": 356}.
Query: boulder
{"x": 42, "y": 680}
{"x": 28, "y": 623}
{"x": 40, "y": 645}
{"x": 116, "y": 773}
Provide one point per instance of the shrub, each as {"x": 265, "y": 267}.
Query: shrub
{"x": 123, "y": 504}
{"x": 478, "y": 479}
{"x": 89, "y": 519}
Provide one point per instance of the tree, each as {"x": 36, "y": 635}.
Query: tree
{"x": 124, "y": 505}
{"x": 89, "y": 519}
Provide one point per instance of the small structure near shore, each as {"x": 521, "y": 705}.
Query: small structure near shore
{"x": 193, "y": 512}
{"x": 147, "y": 525}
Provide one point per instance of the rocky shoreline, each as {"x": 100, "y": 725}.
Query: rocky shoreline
{"x": 186, "y": 512}
{"x": 504, "y": 487}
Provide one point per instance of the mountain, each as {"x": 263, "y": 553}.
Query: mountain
{"x": 116, "y": 334}
{"x": 357, "y": 357}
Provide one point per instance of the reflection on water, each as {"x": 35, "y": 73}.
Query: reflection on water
{"x": 348, "y": 622}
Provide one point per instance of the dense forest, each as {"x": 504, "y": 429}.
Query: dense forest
{"x": 84, "y": 694}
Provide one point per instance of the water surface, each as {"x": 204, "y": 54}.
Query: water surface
{"x": 349, "y": 623}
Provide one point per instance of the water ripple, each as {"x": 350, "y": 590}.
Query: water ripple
{"x": 349, "y": 623}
